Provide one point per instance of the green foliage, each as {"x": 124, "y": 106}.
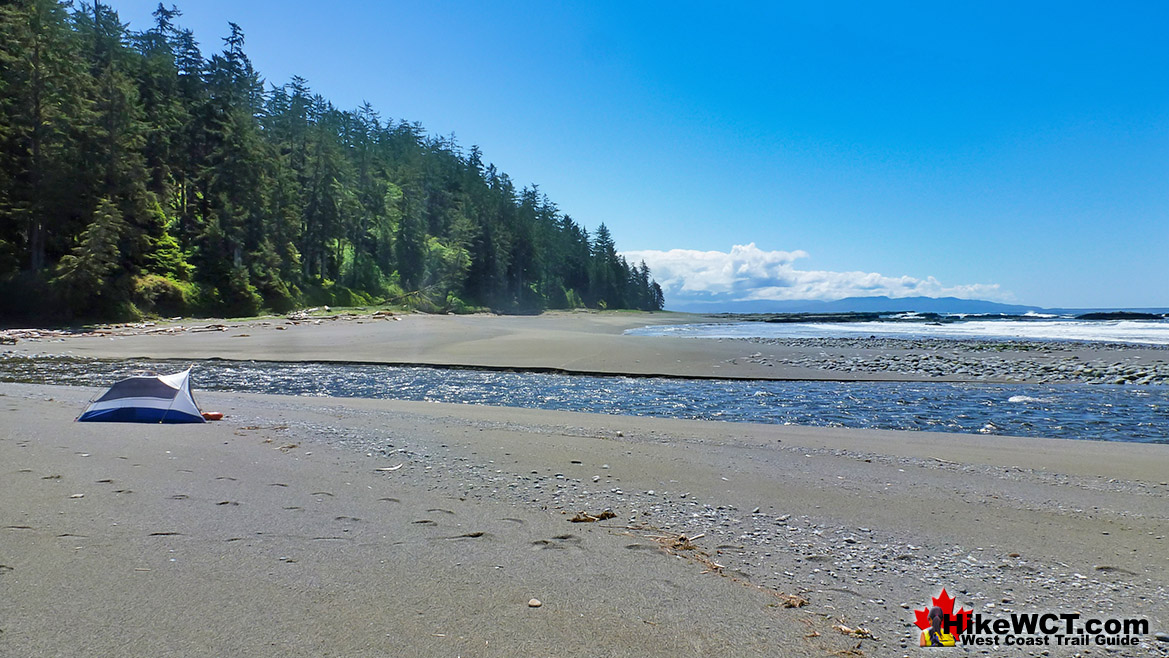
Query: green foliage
{"x": 319, "y": 293}
{"x": 85, "y": 275}
{"x": 166, "y": 257}
{"x": 45, "y": 107}
{"x": 446, "y": 266}
{"x": 237, "y": 296}
{"x": 458, "y": 306}
{"x": 367, "y": 276}
{"x": 277, "y": 293}
{"x": 572, "y": 299}
{"x": 162, "y": 296}
{"x": 139, "y": 176}
{"x": 343, "y": 296}
{"x": 394, "y": 294}
{"x": 330, "y": 293}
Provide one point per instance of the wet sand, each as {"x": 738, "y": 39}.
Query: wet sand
{"x": 258, "y": 536}
{"x": 290, "y": 529}
{"x": 591, "y": 343}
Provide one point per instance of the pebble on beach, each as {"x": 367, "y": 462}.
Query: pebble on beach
{"x": 534, "y": 603}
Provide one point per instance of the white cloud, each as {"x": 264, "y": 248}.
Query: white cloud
{"x": 748, "y": 273}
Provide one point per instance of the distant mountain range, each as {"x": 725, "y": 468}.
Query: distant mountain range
{"x": 883, "y": 305}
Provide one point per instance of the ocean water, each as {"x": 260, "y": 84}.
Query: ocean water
{"x": 1095, "y": 412}
{"x": 1135, "y": 332}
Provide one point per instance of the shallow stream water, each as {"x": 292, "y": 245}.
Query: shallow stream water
{"x": 1071, "y": 411}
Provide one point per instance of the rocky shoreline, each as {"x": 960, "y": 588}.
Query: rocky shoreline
{"x": 990, "y": 361}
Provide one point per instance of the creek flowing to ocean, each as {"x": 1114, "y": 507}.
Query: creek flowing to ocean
{"x": 1070, "y": 411}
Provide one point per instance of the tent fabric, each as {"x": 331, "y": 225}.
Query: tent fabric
{"x": 158, "y": 399}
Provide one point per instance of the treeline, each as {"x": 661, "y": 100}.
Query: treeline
{"x": 140, "y": 177}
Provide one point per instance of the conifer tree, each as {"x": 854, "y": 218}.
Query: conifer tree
{"x": 42, "y": 104}
{"x": 137, "y": 175}
{"x": 86, "y": 274}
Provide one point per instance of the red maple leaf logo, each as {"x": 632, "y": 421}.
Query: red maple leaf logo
{"x": 946, "y": 603}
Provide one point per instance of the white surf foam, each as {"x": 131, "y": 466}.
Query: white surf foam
{"x": 1140, "y": 332}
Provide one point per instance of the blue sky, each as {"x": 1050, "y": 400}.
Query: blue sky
{"x": 1009, "y": 151}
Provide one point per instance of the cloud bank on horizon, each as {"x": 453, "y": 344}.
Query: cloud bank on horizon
{"x": 748, "y": 273}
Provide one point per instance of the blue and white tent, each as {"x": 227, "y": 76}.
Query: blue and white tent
{"x": 157, "y": 399}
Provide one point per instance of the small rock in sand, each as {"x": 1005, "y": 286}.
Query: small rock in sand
{"x": 534, "y": 603}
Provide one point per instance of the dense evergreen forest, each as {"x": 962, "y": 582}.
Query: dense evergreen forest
{"x": 140, "y": 177}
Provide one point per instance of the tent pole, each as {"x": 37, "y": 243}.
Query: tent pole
{"x": 172, "y": 401}
{"x": 163, "y": 419}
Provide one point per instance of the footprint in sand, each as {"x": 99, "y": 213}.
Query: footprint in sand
{"x": 641, "y": 547}
{"x": 180, "y": 497}
{"x": 519, "y": 521}
{"x": 558, "y": 542}
{"x": 425, "y": 522}
{"x": 351, "y": 519}
{"x": 1103, "y": 568}
{"x": 467, "y": 535}
{"x": 228, "y": 502}
{"x": 389, "y": 500}
{"x": 439, "y": 509}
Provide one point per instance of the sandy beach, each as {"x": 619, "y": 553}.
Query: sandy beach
{"x": 329, "y": 527}
{"x": 587, "y": 342}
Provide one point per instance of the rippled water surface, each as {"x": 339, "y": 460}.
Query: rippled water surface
{"x": 1135, "y": 332}
{"x": 1113, "y": 413}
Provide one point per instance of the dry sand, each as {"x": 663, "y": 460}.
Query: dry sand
{"x": 237, "y": 538}
{"x": 274, "y": 532}
{"x": 576, "y": 342}
{"x": 573, "y": 342}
